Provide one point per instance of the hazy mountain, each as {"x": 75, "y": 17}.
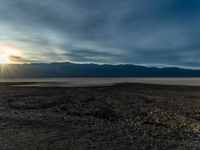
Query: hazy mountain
{"x": 91, "y": 70}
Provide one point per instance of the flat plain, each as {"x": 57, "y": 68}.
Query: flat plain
{"x": 122, "y": 116}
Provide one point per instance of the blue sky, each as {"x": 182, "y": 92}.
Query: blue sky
{"x": 147, "y": 32}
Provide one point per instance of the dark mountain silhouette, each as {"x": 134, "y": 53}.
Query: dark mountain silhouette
{"x": 91, "y": 70}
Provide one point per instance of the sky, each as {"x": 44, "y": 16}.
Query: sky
{"x": 145, "y": 32}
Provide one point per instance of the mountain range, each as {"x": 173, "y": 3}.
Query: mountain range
{"x": 53, "y": 70}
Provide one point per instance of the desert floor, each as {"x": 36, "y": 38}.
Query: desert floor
{"x": 123, "y": 116}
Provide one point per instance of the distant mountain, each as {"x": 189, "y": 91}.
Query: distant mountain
{"x": 90, "y": 70}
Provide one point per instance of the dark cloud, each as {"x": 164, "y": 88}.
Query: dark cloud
{"x": 108, "y": 31}
{"x": 85, "y": 55}
{"x": 18, "y": 59}
{"x": 15, "y": 58}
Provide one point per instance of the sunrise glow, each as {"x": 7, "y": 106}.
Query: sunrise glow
{"x": 4, "y": 59}
{"x": 7, "y": 53}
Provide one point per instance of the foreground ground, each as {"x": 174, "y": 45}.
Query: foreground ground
{"x": 124, "y": 116}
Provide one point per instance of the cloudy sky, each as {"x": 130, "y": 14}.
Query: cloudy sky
{"x": 147, "y": 32}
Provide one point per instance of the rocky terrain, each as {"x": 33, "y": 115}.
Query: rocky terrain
{"x": 124, "y": 116}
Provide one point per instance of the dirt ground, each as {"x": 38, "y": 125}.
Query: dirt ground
{"x": 124, "y": 116}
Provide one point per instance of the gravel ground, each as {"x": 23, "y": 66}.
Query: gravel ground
{"x": 124, "y": 116}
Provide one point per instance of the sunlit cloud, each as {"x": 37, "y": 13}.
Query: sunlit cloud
{"x": 10, "y": 55}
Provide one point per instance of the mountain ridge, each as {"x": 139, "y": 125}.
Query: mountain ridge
{"x": 66, "y": 69}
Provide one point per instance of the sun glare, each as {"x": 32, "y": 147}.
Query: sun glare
{"x": 4, "y": 59}
{"x": 6, "y": 53}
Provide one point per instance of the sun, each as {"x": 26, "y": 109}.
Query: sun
{"x": 4, "y": 59}
{"x": 6, "y": 54}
